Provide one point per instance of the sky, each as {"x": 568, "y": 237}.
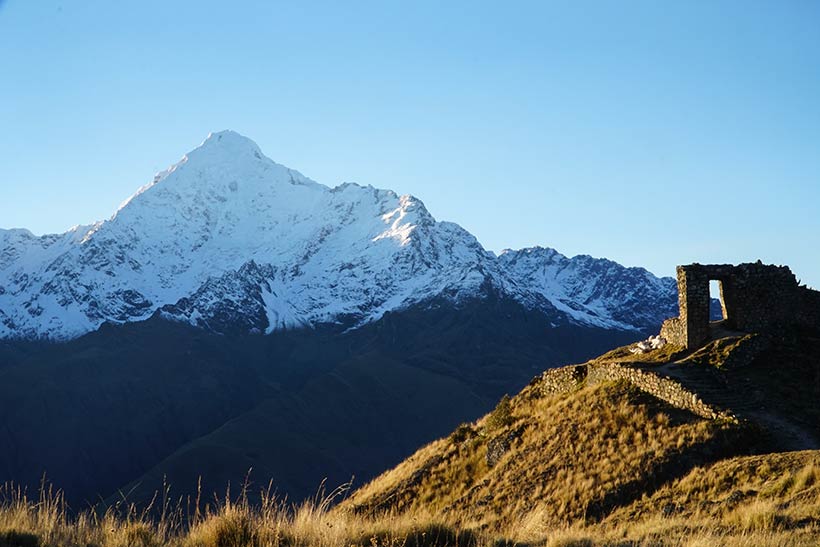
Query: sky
{"x": 651, "y": 133}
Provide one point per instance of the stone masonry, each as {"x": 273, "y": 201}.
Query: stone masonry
{"x": 755, "y": 297}
{"x": 568, "y": 379}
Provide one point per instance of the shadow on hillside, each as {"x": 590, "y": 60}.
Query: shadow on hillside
{"x": 13, "y": 538}
{"x": 728, "y": 442}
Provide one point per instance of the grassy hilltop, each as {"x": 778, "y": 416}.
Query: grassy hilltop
{"x": 602, "y": 461}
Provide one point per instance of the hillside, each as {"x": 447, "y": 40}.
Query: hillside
{"x": 653, "y": 447}
{"x": 615, "y": 452}
{"x": 578, "y": 456}
{"x": 130, "y": 404}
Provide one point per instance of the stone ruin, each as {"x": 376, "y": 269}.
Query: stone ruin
{"x": 754, "y": 297}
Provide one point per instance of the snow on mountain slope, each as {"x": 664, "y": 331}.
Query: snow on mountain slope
{"x": 228, "y": 240}
{"x": 594, "y": 291}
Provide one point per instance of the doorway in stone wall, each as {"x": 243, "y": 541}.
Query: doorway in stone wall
{"x": 717, "y": 307}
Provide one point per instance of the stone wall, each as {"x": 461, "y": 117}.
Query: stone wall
{"x": 568, "y": 379}
{"x": 662, "y": 387}
{"x": 809, "y": 311}
{"x": 755, "y": 297}
{"x": 563, "y": 380}
{"x": 693, "y": 300}
{"x": 674, "y": 331}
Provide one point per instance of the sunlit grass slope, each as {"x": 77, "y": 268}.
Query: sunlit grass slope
{"x": 578, "y": 455}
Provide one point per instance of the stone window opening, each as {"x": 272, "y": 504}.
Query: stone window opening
{"x": 716, "y": 293}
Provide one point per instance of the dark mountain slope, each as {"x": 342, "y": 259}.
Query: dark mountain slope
{"x": 364, "y": 415}
{"x": 98, "y": 412}
{"x": 111, "y": 403}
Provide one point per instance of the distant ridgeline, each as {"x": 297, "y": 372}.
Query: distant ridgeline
{"x": 755, "y": 297}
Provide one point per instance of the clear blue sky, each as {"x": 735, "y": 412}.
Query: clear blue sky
{"x": 652, "y": 133}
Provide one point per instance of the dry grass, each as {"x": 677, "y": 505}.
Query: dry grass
{"x": 716, "y": 353}
{"x": 580, "y": 455}
{"x": 782, "y": 512}
{"x": 771, "y": 499}
{"x": 606, "y": 465}
{"x": 46, "y": 522}
{"x": 666, "y": 354}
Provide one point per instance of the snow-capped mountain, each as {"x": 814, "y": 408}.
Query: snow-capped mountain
{"x": 595, "y": 291}
{"x": 228, "y": 240}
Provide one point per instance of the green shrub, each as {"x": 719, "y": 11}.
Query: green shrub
{"x": 463, "y": 433}
{"x": 501, "y": 416}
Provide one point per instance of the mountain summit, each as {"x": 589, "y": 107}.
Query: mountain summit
{"x": 229, "y": 240}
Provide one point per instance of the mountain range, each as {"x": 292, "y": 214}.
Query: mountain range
{"x": 228, "y": 240}
{"x": 234, "y": 314}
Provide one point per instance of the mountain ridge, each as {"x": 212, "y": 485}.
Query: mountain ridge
{"x": 226, "y": 224}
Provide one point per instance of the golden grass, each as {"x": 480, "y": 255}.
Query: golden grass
{"x": 666, "y": 354}
{"x": 44, "y": 522}
{"x": 766, "y": 500}
{"x": 606, "y": 465}
{"x": 716, "y": 353}
{"x": 782, "y": 510}
{"x": 580, "y": 455}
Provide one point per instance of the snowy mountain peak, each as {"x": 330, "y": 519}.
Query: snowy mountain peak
{"x": 228, "y": 239}
{"x": 212, "y": 173}
{"x": 229, "y": 144}
{"x": 537, "y": 251}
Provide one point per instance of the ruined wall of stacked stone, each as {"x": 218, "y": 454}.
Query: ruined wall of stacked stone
{"x": 809, "y": 311}
{"x": 759, "y": 297}
{"x": 755, "y": 297}
{"x": 674, "y": 331}
{"x": 568, "y": 379}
